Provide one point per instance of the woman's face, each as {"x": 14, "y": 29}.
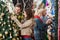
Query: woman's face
{"x": 25, "y": 15}
{"x": 43, "y": 12}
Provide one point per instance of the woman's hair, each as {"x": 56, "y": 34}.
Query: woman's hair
{"x": 29, "y": 13}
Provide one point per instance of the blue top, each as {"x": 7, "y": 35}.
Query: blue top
{"x": 39, "y": 24}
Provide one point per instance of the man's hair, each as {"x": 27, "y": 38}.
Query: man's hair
{"x": 18, "y": 5}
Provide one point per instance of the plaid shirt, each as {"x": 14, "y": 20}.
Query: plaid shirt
{"x": 14, "y": 25}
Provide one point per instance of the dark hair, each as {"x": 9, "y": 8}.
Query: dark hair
{"x": 33, "y": 11}
{"x": 29, "y": 13}
{"x": 18, "y": 5}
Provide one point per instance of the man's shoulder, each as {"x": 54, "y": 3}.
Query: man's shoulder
{"x": 36, "y": 19}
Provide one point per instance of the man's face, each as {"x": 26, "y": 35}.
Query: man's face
{"x": 17, "y": 10}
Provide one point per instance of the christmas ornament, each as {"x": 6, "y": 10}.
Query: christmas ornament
{"x": 17, "y": 38}
{"x": 0, "y": 35}
{"x": 6, "y": 32}
{"x": 16, "y": 35}
{"x": 3, "y": 36}
{"x": 13, "y": 38}
{"x": 3, "y": 29}
{"x": 11, "y": 21}
{"x": 10, "y": 28}
{"x": 9, "y": 25}
{"x": 4, "y": 23}
{"x": 15, "y": 30}
{"x": 14, "y": 24}
{"x": 10, "y": 35}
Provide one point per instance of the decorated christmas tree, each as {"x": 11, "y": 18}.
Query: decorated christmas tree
{"x": 7, "y": 31}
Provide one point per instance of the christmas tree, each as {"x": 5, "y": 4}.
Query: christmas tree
{"x": 7, "y": 31}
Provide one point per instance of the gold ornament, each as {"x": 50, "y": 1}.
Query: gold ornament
{"x": 10, "y": 35}
{"x": 4, "y": 23}
{"x": 10, "y": 29}
{"x": 6, "y": 32}
{"x": 11, "y": 21}
{"x": 14, "y": 24}
{"x": 15, "y": 30}
{"x": 9, "y": 25}
{"x": 3, "y": 36}
{"x": 13, "y": 38}
{"x": 16, "y": 34}
{"x": 0, "y": 35}
{"x": 17, "y": 38}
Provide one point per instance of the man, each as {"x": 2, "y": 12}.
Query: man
{"x": 39, "y": 25}
{"x": 19, "y": 15}
{"x": 18, "y": 11}
{"x": 44, "y": 18}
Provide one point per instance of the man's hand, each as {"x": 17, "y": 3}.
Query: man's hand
{"x": 13, "y": 17}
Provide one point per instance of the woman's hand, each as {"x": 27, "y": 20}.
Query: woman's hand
{"x": 48, "y": 21}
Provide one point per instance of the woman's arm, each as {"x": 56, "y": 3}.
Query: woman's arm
{"x": 24, "y": 25}
{"x": 48, "y": 32}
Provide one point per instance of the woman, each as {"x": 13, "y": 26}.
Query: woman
{"x": 26, "y": 27}
{"x": 39, "y": 25}
{"x": 50, "y": 31}
{"x": 38, "y": 30}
